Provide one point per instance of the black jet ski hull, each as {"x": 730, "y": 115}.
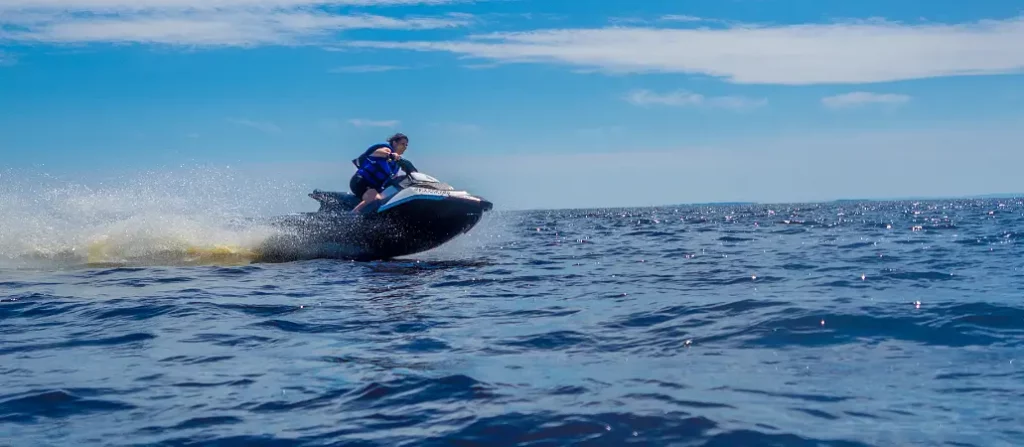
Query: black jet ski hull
{"x": 409, "y": 228}
{"x": 416, "y": 213}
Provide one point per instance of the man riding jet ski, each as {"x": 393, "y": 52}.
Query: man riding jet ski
{"x": 375, "y": 167}
{"x": 393, "y": 210}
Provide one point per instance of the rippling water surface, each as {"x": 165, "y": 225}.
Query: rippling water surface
{"x": 846, "y": 324}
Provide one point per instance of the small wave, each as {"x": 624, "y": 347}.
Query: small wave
{"x": 193, "y": 423}
{"x": 132, "y": 339}
{"x": 32, "y": 406}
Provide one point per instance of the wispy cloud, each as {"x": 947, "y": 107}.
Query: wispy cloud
{"x": 856, "y": 99}
{"x": 261, "y": 126}
{"x": 846, "y": 52}
{"x": 125, "y": 5}
{"x": 366, "y": 68}
{"x": 704, "y": 21}
{"x": 481, "y": 66}
{"x": 676, "y": 18}
{"x": 681, "y": 18}
{"x": 198, "y": 22}
{"x": 680, "y": 98}
{"x": 6, "y": 59}
{"x": 358, "y": 122}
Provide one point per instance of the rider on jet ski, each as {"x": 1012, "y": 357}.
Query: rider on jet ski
{"x": 378, "y": 164}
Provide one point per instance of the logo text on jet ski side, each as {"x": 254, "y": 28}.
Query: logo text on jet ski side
{"x": 431, "y": 192}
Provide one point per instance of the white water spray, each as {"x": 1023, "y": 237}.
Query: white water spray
{"x": 185, "y": 216}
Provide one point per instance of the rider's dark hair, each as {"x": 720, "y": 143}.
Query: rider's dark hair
{"x": 397, "y": 137}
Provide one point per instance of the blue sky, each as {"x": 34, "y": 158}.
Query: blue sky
{"x": 613, "y": 102}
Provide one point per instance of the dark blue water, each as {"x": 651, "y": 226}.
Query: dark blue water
{"x": 849, "y": 324}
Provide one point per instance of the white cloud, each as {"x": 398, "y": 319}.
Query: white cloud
{"x": 480, "y": 66}
{"x": 373, "y": 123}
{"x": 848, "y": 52}
{"x": 686, "y": 98}
{"x": 199, "y": 23}
{"x": 855, "y": 99}
{"x": 681, "y": 18}
{"x": 677, "y": 98}
{"x": 136, "y": 5}
{"x": 676, "y": 18}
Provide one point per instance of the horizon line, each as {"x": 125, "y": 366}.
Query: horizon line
{"x": 987, "y": 196}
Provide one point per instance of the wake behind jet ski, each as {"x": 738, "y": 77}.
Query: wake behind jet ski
{"x": 416, "y": 213}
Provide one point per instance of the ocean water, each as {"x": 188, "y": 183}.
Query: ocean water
{"x": 842, "y": 324}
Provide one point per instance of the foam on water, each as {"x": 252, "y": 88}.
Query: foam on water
{"x": 183, "y": 216}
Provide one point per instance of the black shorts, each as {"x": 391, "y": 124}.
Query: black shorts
{"x": 359, "y": 186}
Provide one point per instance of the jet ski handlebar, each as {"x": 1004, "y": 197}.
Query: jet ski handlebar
{"x": 407, "y": 166}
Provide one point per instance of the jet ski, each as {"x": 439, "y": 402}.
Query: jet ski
{"x": 417, "y": 213}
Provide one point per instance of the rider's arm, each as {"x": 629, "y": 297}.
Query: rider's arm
{"x": 386, "y": 153}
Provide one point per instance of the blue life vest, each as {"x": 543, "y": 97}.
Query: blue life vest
{"x": 375, "y": 170}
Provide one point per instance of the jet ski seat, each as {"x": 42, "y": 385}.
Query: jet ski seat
{"x": 331, "y": 201}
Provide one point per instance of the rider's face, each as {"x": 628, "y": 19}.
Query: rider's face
{"x": 401, "y": 146}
